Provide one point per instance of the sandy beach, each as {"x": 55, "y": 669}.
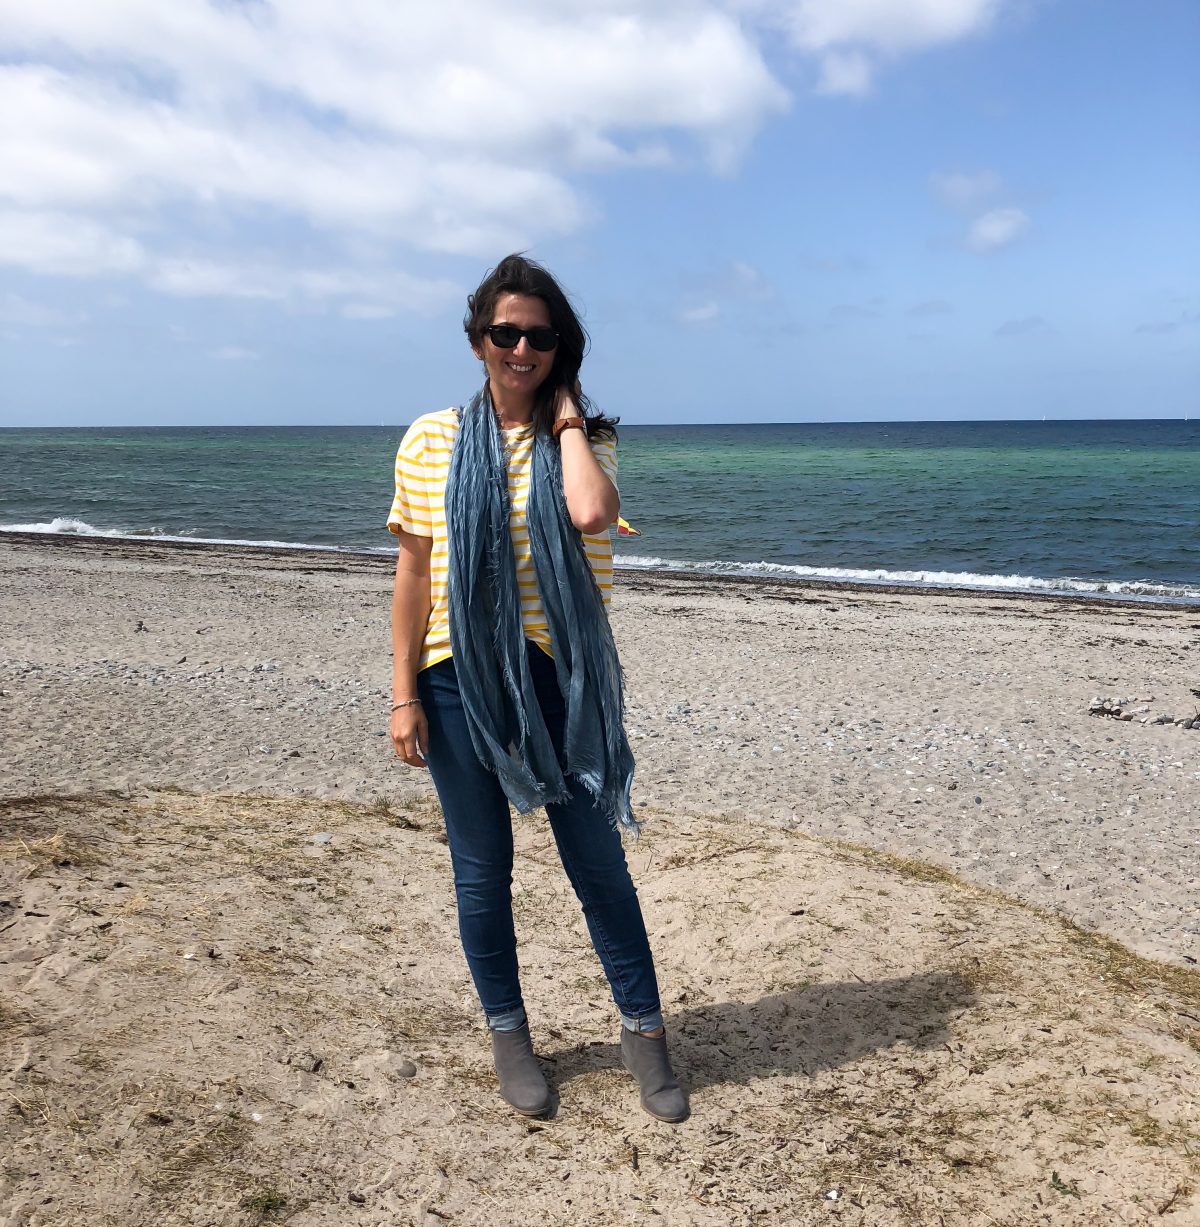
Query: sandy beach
{"x": 927, "y": 928}
{"x": 947, "y": 727}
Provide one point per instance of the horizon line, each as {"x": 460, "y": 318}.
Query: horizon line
{"x": 1044, "y": 419}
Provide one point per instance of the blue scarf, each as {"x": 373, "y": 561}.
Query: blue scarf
{"x": 488, "y": 640}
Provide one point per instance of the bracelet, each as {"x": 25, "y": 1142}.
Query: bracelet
{"x": 406, "y": 703}
{"x": 567, "y": 423}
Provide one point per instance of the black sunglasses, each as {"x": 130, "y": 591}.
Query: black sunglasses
{"x": 508, "y": 336}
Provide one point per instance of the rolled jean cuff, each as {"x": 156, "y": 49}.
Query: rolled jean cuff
{"x": 646, "y": 1022}
{"x": 509, "y": 1020}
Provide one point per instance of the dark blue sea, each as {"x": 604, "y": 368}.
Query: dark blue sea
{"x": 1102, "y": 508}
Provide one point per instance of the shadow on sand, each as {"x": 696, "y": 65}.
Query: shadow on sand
{"x": 802, "y": 1031}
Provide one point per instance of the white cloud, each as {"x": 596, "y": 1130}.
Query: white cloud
{"x": 233, "y": 353}
{"x": 17, "y": 310}
{"x": 405, "y": 122}
{"x": 845, "y": 72}
{"x": 997, "y": 228}
{"x": 747, "y": 281}
{"x": 890, "y": 26}
{"x": 151, "y": 129}
{"x": 83, "y": 144}
{"x": 711, "y": 293}
{"x": 965, "y": 189}
{"x": 203, "y": 278}
{"x": 850, "y": 36}
{"x": 64, "y": 244}
{"x": 702, "y": 313}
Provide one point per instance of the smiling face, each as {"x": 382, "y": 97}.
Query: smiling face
{"x": 516, "y": 374}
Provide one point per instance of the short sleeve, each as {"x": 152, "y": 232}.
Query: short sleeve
{"x": 411, "y": 508}
{"x": 604, "y": 449}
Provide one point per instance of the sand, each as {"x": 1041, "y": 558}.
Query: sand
{"x": 890, "y": 1002}
{"x": 946, "y": 727}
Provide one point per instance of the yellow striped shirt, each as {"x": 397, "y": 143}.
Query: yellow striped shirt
{"x": 422, "y": 464}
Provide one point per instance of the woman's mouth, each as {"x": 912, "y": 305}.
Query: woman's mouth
{"x": 519, "y": 368}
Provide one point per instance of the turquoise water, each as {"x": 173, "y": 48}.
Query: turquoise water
{"x": 1078, "y": 506}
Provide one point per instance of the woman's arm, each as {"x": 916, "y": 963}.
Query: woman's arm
{"x": 592, "y": 499}
{"x": 410, "y": 618}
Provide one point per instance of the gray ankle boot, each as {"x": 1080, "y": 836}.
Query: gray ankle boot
{"x": 521, "y": 1082}
{"x": 646, "y": 1059}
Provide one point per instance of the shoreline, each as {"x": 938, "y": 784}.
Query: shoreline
{"x": 622, "y": 575}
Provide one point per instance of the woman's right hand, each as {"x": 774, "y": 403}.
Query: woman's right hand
{"x": 410, "y": 734}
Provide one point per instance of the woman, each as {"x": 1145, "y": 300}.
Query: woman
{"x": 506, "y": 682}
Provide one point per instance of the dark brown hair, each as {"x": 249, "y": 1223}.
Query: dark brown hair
{"x": 517, "y": 274}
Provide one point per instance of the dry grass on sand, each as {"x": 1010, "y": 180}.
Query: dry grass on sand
{"x": 207, "y": 1017}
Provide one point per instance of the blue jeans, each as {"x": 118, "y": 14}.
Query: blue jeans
{"x": 479, "y": 830}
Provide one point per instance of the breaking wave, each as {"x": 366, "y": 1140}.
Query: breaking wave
{"x": 1069, "y": 585}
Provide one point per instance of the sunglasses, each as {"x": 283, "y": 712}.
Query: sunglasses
{"x": 508, "y": 336}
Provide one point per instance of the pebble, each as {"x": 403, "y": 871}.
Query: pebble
{"x": 1122, "y": 709}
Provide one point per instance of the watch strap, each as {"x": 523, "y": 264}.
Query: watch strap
{"x": 569, "y": 424}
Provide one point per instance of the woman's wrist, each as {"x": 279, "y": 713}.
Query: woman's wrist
{"x": 404, "y": 690}
{"x": 568, "y": 426}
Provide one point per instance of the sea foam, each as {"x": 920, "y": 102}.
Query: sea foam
{"x": 70, "y": 526}
{"x": 1126, "y": 589}
{"x": 1145, "y": 590}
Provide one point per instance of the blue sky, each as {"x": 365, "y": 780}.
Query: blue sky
{"x": 770, "y": 210}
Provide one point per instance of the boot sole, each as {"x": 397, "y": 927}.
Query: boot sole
{"x": 667, "y": 1120}
{"x": 530, "y": 1111}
